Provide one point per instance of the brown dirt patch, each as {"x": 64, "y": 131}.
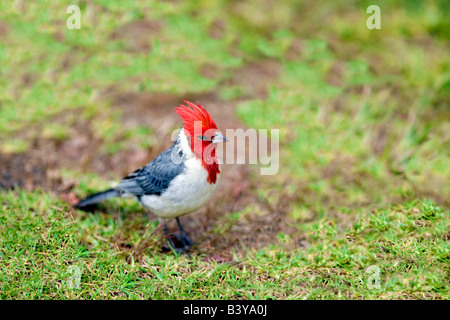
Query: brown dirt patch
{"x": 31, "y": 170}
{"x": 255, "y": 78}
{"x": 137, "y": 35}
{"x": 217, "y": 29}
{"x": 21, "y": 171}
{"x": 3, "y": 29}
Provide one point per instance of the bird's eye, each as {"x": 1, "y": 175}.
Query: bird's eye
{"x": 204, "y": 138}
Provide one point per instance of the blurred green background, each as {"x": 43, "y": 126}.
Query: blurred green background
{"x": 364, "y": 119}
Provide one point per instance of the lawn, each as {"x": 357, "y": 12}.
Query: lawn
{"x": 359, "y": 208}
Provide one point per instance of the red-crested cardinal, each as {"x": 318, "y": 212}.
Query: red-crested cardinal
{"x": 181, "y": 179}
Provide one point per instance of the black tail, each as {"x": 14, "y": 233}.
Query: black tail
{"x": 96, "y": 198}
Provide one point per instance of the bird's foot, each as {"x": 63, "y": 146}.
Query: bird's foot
{"x": 180, "y": 244}
{"x": 185, "y": 240}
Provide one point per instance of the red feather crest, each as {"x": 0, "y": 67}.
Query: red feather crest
{"x": 197, "y": 122}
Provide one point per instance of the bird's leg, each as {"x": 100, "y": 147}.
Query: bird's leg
{"x": 184, "y": 237}
{"x": 169, "y": 238}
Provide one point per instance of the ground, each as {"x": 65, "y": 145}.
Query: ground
{"x": 359, "y": 208}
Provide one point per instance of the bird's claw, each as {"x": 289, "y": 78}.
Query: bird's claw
{"x": 185, "y": 240}
{"x": 180, "y": 244}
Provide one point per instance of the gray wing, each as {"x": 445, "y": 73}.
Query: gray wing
{"x": 155, "y": 177}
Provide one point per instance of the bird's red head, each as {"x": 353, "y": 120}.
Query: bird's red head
{"x": 203, "y": 134}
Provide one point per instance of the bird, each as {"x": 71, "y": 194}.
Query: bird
{"x": 178, "y": 181}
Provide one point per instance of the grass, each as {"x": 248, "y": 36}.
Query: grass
{"x": 362, "y": 191}
{"x": 41, "y": 243}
